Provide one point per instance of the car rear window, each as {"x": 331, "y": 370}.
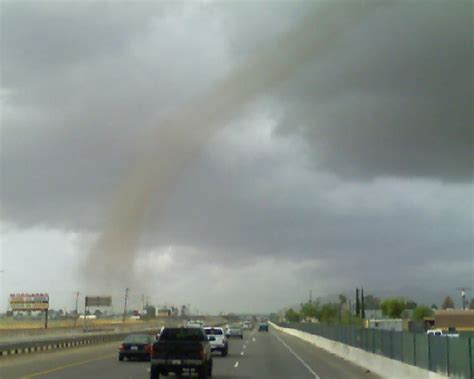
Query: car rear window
{"x": 136, "y": 338}
{"x": 182, "y": 334}
{"x": 214, "y": 332}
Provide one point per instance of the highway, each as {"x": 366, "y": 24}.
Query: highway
{"x": 258, "y": 355}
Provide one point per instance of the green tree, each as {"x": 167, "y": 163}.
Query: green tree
{"x": 348, "y": 318}
{"x": 309, "y": 310}
{"x": 342, "y": 299}
{"x": 357, "y": 303}
{"x": 362, "y": 304}
{"x": 434, "y": 306}
{"x": 471, "y": 304}
{"x": 447, "y": 303}
{"x": 292, "y": 316}
{"x": 410, "y": 304}
{"x": 393, "y": 308}
{"x": 422, "y": 311}
{"x": 328, "y": 313}
{"x": 371, "y": 302}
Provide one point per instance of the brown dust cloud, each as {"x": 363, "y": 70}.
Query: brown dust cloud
{"x": 179, "y": 136}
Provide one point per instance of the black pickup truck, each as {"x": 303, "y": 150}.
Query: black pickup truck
{"x": 181, "y": 351}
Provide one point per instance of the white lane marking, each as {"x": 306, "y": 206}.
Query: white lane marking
{"x": 236, "y": 364}
{"x": 241, "y": 353}
{"x": 245, "y": 346}
{"x": 316, "y": 376}
{"x": 253, "y": 339}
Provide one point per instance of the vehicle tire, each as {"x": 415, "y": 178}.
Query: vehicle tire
{"x": 241, "y": 337}
{"x": 203, "y": 372}
{"x": 154, "y": 373}
{"x": 120, "y": 357}
{"x": 225, "y": 352}
{"x": 209, "y": 371}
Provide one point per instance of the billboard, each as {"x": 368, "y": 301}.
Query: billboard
{"x": 98, "y": 301}
{"x": 29, "y": 301}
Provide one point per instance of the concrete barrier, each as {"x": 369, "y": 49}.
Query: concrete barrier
{"x": 378, "y": 364}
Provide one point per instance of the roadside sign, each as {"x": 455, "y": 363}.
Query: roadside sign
{"x": 98, "y": 301}
{"x": 29, "y": 301}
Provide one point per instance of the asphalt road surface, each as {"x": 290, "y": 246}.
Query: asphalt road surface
{"x": 270, "y": 355}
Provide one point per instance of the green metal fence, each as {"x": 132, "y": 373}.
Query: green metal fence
{"x": 446, "y": 355}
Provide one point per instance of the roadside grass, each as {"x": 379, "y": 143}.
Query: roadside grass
{"x": 10, "y": 323}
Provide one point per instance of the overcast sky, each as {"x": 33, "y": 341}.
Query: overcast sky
{"x": 348, "y": 162}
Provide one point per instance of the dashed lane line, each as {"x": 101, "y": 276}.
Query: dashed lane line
{"x": 236, "y": 364}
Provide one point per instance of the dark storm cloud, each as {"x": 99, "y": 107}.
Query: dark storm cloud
{"x": 395, "y": 97}
{"x": 50, "y": 38}
{"x": 308, "y": 215}
{"x": 367, "y": 164}
{"x": 80, "y": 86}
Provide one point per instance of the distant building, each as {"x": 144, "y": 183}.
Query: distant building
{"x": 164, "y": 312}
{"x": 385, "y": 324}
{"x": 460, "y": 320}
{"x": 149, "y": 312}
{"x": 310, "y": 319}
{"x": 374, "y": 314}
{"x": 174, "y": 312}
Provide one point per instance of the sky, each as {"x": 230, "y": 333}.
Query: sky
{"x": 236, "y": 155}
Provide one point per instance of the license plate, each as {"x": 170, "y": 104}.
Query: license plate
{"x": 176, "y": 362}
{"x": 134, "y": 348}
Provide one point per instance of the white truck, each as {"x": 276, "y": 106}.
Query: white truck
{"x": 219, "y": 342}
{"x": 439, "y": 332}
{"x": 194, "y": 324}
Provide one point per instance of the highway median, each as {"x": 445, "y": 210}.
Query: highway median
{"x": 26, "y": 344}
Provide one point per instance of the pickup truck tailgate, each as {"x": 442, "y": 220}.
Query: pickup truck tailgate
{"x": 177, "y": 350}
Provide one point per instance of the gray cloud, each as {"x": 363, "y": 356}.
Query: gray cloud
{"x": 394, "y": 97}
{"x": 359, "y": 161}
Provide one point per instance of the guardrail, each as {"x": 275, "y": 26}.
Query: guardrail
{"x": 445, "y": 355}
{"x": 10, "y": 348}
{"x": 89, "y": 337}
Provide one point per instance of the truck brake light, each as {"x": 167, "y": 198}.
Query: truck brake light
{"x": 201, "y": 352}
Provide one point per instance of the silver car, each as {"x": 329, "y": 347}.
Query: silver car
{"x": 234, "y": 331}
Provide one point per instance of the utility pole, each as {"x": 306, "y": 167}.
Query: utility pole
{"x": 463, "y": 295}
{"x": 76, "y": 316}
{"x": 125, "y": 304}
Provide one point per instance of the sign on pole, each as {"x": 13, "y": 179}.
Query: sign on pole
{"x": 29, "y": 301}
{"x": 98, "y": 301}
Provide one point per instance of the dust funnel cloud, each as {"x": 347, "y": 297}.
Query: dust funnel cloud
{"x": 179, "y": 136}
